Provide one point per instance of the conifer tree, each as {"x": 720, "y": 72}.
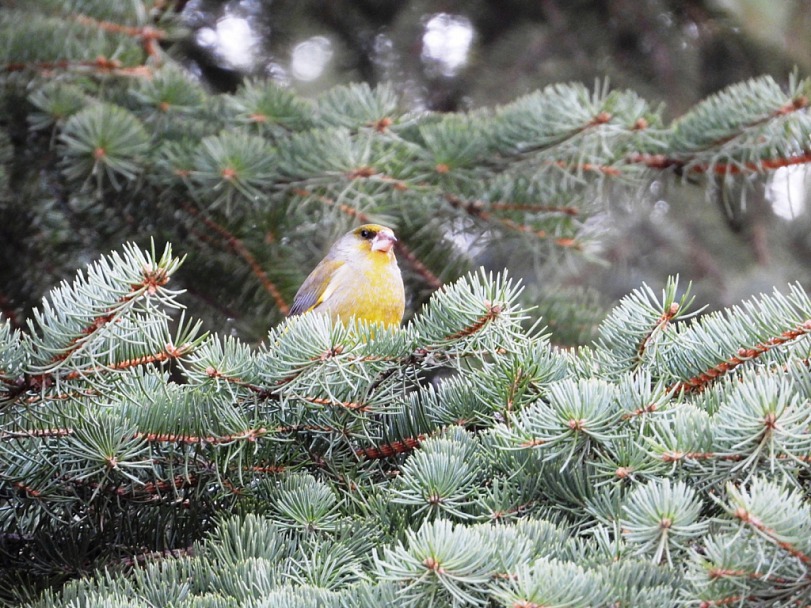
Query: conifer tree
{"x": 464, "y": 459}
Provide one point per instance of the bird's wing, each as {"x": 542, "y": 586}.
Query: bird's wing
{"x": 316, "y": 287}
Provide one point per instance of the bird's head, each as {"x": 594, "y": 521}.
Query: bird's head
{"x": 374, "y": 238}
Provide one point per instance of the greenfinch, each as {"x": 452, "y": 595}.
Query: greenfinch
{"x": 359, "y": 278}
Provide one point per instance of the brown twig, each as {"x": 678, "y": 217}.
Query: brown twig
{"x": 392, "y": 448}
{"x": 421, "y": 269}
{"x": 350, "y": 405}
{"x": 661, "y": 324}
{"x": 727, "y": 601}
{"x": 152, "y": 280}
{"x": 502, "y": 206}
{"x": 143, "y": 558}
{"x": 699, "y": 382}
{"x": 675, "y": 456}
{"x": 100, "y": 64}
{"x": 169, "y": 353}
{"x": 241, "y": 250}
{"x": 660, "y": 161}
{"x": 41, "y": 433}
{"x": 493, "y": 311}
{"x": 747, "y": 518}
{"x": 476, "y": 209}
{"x": 148, "y": 35}
{"x": 250, "y": 435}
{"x": 273, "y": 469}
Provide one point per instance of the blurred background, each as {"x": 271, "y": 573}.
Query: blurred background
{"x": 455, "y": 55}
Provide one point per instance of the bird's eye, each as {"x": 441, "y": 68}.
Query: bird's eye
{"x": 366, "y": 234}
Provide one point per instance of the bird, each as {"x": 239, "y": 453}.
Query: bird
{"x": 359, "y": 277}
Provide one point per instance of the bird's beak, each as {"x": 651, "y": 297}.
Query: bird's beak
{"x": 384, "y": 241}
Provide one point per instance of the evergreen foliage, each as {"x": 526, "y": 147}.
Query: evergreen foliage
{"x": 463, "y": 459}
{"x": 459, "y": 460}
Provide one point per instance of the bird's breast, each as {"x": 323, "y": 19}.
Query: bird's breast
{"x": 371, "y": 290}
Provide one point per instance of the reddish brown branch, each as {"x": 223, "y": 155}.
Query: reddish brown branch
{"x": 273, "y": 469}
{"x": 152, "y": 280}
{"x": 342, "y": 207}
{"x": 659, "y": 161}
{"x": 641, "y": 411}
{"x": 350, "y": 405}
{"x": 311, "y": 428}
{"x": 325, "y": 356}
{"x": 720, "y": 573}
{"x": 727, "y": 601}
{"x": 212, "y": 372}
{"x": 476, "y": 209}
{"x": 513, "y": 390}
{"x": 493, "y": 311}
{"x": 746, "y": 517}
{"x": 174, "y": 484}
{"x": 501, "y": 206}
{"x": 27, "y": 490}
{"x": 155, "y": 488}
{"x": 663, "y": 162}
{"x": 661, "y": 324}
{"x": 517, "y": 510}
{"x": 363, "y": 172}
{"x": 421, "y": 269}
{"x": 143, "y": 558}
{"x": 241, "y": 250}
{"x": 41, "y": 433}
{"x": 699, "y": 382}
{"x": 148, "y": 36}
{"x": 590, "y": 168}
{"x": 391, "y": 449}
{"x": 100, "y": 65}
{"x": 246, "y": 435}
{"x": 793, "y": 105}
{"x": 43, "y": 381}
{"x": 171, "y": 352}
{"x": 675, "y": 456}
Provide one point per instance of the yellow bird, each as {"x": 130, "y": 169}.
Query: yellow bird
{"x": 359, "y": 277}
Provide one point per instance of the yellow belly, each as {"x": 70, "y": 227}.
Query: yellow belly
{"x": 373, "y": 292}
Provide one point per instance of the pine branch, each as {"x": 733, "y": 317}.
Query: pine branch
{"x": 405, "y": 252}
{"x": 249, "y": 435}
{"x": 170, "y": 353}
{"x": 100, "y": 65}
{"x": 148, "y": 36}
{"x": 157, "y": 556}
{"x": 242, "y": 251}
{"x": 721, "y": 168}
{"x": 751, "y": 520}
{"x": 475, "y": 209}
{"x": 661, "y": 325}
{"x": 745, "y": 355}
{"x": 534, "y": 208}
{"x": 727, "y": 601}
{"x": 394, "y": 448}
{"x": 493, "y": 311}
{"x": 635, "y": 330}
{"x": 113, "y": 287}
